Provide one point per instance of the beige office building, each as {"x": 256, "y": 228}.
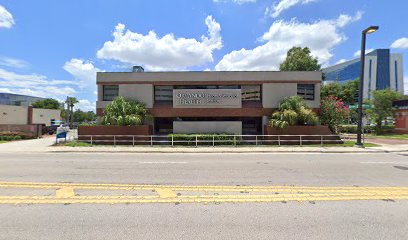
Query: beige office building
{"x": 209, "y": 102}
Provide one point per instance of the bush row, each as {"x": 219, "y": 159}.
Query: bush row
{"x": 367, "y": 129}
{"x": 10, "y": 138}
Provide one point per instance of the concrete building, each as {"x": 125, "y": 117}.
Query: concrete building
{"x": 208, "y": 102}
{"x": 382, "y": 70}
{"x": 21, "y": 115}
{"x": 17, "y": 100}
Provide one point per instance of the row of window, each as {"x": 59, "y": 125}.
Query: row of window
{"x": 249, "y": 92}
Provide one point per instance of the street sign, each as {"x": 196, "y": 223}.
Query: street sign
{"x": 365, "y": 106}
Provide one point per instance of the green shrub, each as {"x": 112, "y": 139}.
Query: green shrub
{"x": 189, "y": 139}
{"x": 10, "y": 138}
{"x": 293, "y": 111}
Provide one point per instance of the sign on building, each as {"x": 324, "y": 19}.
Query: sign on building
{"x": 207, "y": 98}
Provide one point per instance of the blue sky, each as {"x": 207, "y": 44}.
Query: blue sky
{"x": 53, "y": 48}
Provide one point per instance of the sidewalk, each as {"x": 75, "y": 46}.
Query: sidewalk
{"x": 32, "y": 145}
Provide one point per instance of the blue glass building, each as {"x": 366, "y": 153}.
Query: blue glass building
{"x": 382, "y": 70}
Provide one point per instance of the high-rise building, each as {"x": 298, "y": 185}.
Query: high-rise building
{"x": 382, "y": 70}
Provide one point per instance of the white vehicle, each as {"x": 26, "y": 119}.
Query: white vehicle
{"x": 63, "y": 128}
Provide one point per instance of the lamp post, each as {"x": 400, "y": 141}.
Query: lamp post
{"x": 361, "y": 87}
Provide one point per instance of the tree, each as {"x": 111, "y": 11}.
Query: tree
{"x": 382, "y": 106}
{"x": 124, "y": 112}
{"x": 81, "y": 116}
{"x": 331, "y": 89}
{"x": 333, "y": 112}
{"x": 293, "y": 111}
{"x": 71, "y": 101}
{"x": 48, "y": 103}
{"x": 349, "y": 92}
{"x": 299, "y": 59}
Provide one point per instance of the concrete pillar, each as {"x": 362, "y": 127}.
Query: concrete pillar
{"x": 30, "y": 115}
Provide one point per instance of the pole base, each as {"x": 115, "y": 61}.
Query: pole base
{"x": 360, "y": 145}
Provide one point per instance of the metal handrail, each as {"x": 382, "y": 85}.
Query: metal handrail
{"x": 210, "y": 139}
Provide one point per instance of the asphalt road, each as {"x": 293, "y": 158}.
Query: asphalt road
{"x": 367, "y": 219}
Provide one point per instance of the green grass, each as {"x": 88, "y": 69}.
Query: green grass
{"x": 77, "y": 144}
{"x": 353, "y": 143}
{"x": 345, "y": 144}
{"x": 392, "y": 136}
{"x": 3, "y": 141}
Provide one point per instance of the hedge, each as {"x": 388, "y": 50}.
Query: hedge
{"x": 189, "y": 139}
{"x": 10, "y": 138}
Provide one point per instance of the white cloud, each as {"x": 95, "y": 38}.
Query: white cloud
{"x": 400, "y": 43}
{"x": 321, "y": 37}
{"x": 84, "y": 72}
{"x": 341, "y": 61}
{"x": 277, "y": 8}
{"x": 5, "y": 90}
{"x": 34, "y": 85}
{"x": 162, "y": 53}
{"x": 6, "y": 19}
{"x": 345, "y": 19}
{"x": 358, "y": 53}
{"x": 240, "y": 2}
{"x": 85, "y": 105}
{"x": 13, "y": 62}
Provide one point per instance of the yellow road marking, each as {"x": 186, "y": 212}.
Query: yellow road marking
{"x": 166, "y": 193}
{"x": 195, "y": 188}
{"x": 65, "y": 193}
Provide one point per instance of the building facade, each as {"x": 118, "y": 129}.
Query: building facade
{"x": 22, "y": 115}
{"x": 382, "y": 70}
{"x": 401, "y": 116}
{"x": 208, "y": 102}
{"x": 17, "y": 100}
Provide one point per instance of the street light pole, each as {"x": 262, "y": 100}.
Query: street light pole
{"x": 361, "y": 86}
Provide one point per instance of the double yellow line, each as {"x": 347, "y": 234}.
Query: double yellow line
{"x": 65, "y": 193}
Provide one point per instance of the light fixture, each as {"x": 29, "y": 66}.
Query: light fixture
{"x": 371, "y": 29}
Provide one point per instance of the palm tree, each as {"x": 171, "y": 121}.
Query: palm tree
{"x": 125, "y": 112}
{"x": 71, "y": 101}
{"x": 293, "y": 111}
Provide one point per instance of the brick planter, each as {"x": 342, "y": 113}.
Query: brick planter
{"x": 101, "y": 134}
{"x": 301, "y": 130}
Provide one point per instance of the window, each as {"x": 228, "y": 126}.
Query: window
{"x": 396, "y": 75}
{"x": 251, "y": 92}
{"x": 306, "y": 91}
{"x": 163, "y": 93}
{"x": 110, "y": 92}
{"x": 370, "y": 66}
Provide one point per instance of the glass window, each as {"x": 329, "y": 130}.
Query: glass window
{"x": 163, "y": 93}
{"x": 251, "y": 92}
{"x": 110, "y": 92}
{"x": 306, "y": 91}
{"x": 396, "y": 75}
